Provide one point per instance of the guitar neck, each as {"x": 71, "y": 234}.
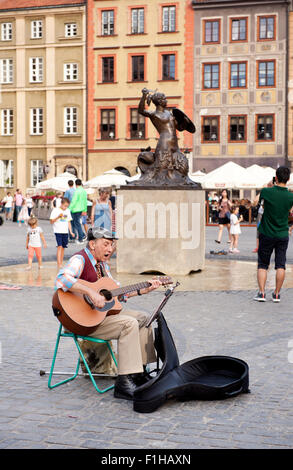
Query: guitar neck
{"x": 131, "y": 288}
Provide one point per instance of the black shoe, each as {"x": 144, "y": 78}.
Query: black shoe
{"x": 124, "y": 387}
{"x": 140, "y": 378}
{"x": 260, "y": 297}
{"x": 217, "y": 241}
{"x": 275, "y": 297}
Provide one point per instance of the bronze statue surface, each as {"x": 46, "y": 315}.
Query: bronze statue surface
{"x": 167, "y": 165}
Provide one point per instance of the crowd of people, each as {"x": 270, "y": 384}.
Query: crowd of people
{"x": 71, "y": 213}
{"x": 17, "y": 207}
{"x": 247, "y": 209}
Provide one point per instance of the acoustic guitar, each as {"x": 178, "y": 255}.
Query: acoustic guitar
{"x": 78, "y": 314}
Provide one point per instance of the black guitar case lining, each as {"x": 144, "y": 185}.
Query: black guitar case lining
{"x": 204, "y": 378}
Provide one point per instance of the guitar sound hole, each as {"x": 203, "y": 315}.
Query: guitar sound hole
{"x": 106, "y": 293}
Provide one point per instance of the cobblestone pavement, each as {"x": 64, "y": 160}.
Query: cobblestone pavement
{"x": 224, "y": 322}
{"x": 202, "y": 323}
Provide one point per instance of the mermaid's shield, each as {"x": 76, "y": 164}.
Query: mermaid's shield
{"x": 183, "y": 121}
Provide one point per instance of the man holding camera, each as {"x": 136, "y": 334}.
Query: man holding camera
{"x": 273, "y": 232}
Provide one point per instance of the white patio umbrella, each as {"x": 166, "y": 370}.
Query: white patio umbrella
{"x": 58, "y": 183}
{"x": 197, "y": 176}
{"x": 228, "y": 176}
{"x": 263, "y": 175}
{"x": 109, "y": 178}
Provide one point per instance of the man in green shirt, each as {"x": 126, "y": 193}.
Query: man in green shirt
{"x": 77, "y": 206}
{"x": 273, "y": 232}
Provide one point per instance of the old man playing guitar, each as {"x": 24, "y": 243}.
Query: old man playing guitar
{"x": 78, "y": 297}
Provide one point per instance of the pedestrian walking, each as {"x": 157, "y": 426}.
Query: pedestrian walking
{"x": 18, "y": 198}
{"x": 29, "y": 203}
{"x": 8, "y": 203}
{"x": 77, "y": 206}
{"x": 56, "y": 202}
{"x": 235, "y": 229}
{"x": 224, "y": 206}
{"x": 101, "y": 215}
{"x": 70, "y": 191}
{"x": 69, "y": 195}
{"x": 61, "y": 219}
{"x": 273, "y": 233}
{"x": 23, "y": 216}
{"x": 34, "y": 240}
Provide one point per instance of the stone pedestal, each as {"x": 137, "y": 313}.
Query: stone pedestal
{"x": 160, "y": 230}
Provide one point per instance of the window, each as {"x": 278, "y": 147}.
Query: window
{"x": 6, "y": 31}
{"x": 7, "y": 122}
{"x": 265, "y": 127}
{"x": 137, "y": 20}
{"x": 211, "y": 76}
{"x": 210, "y": 129}
{"x": 211, "y": 32}
{"x": 168, "y": 66}
{"x": 107, "y": 22}
{"x": 137, "y": 68}
{"x": 36, "y": 29}
{"x": 239, "y": 29}
{"x": 70, "y": 72}
{"x": 266, "y": 73}
{"x": 70, "y": 120}
{"x": 6, "y": 70}
{"x": 107, "y": 69}
{"x": 70, "y": 30}
{"x": 36, "y": 121}
{"x": 137, "y": 125}
{"x": 238, "y": 74}
{"x": 6, "y": 173}
{"x": 266, "y": 28}
{"x": 237, "y": 128}
{"x": 108, "y": 121}
{"x": 36, "y": 69}
{"x": 36, "y": 171}
{"x": 169, "y": 19}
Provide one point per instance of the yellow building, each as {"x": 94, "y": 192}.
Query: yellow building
{"x": 132, "y": 46}
{"x": 43, "y": 91}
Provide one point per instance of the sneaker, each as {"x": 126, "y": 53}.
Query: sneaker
{"x": 275, "y": 297}
{"x": 231, "y": 250}
{"x": 260, "y": 297}
{"x": 235, "y": 250}
{"x": 79, "y": 243}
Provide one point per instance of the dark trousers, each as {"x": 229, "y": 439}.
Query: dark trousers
{"x": 17, "y": 210}
{"x": 266, "y": 247}
{"x": 70, "y": 237}
{"x": 76, "y": 226}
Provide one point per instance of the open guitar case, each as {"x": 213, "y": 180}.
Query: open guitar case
{"x": 204, "y": 378}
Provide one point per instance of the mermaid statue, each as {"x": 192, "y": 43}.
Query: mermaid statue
{"x": 167, "y": 165}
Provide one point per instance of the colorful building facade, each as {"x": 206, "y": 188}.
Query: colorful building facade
{"x": 240, "y": 81}
{"x": 43, "y": 90}
{"x": 131, "y": 46}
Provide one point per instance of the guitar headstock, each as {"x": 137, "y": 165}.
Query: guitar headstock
{"x": 165, "y": 280}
